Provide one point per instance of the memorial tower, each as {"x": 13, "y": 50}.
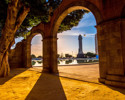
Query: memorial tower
{"x": 80, "y": 52}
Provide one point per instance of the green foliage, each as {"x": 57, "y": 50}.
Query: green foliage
{"x": 58, "y": 56}
{"x": 39, "y": 57}
{"x": 33, "y": 56}
{"x": 33, "y": 62}
{"x": 68, "y": 61}
{"x": 7, "y": 1}
{"x": 68, "y": 55}
{"x": 39, "y": 62}
{"x": 90, "y": 54}
{"x": 40, "y": 12}
{"x": 72, "y": 20}
{"x": 3, "y": 12}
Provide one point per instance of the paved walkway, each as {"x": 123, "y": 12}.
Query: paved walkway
{"x": 86, "y": 72}
{"x": 81, "y": 72}
{"x": 31, "y": 84}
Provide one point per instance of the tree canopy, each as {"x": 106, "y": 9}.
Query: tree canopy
{"x": 33, "y": 56}
{"x": 90, "y": 54}
{"x": 40, "y": 12}
{"x": 68, "y": 55}
{"x": 72, "y": 20}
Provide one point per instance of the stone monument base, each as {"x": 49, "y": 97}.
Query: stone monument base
{"x": 80, "y": 56}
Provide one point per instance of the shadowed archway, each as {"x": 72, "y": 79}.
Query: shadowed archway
{"x": 109, "y": 36}
{"x": 67, "y": 8}
{"x": 75, "y": 5}
{"x": 27, "y": 52}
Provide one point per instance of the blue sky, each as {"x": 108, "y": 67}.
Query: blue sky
{"x": 68, "y": 40}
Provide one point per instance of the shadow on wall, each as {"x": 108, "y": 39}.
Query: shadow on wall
{"x": 13, "y": 73}
{"x": 48, "y": 87}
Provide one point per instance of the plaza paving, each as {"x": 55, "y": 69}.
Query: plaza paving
{"x": 31, "y": 84}
{"x": 86, "y": 72}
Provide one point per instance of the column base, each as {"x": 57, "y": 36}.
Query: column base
{"x": 101, "y": 80}
{"x": 28, "y": 66}
{"x": 47, "y": 70}
{"x": 114, "y": 80}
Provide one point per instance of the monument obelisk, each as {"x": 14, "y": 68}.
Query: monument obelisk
{"x": 80, "y": 52}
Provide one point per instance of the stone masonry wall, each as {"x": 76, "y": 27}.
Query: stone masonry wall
{"x": 15, "y": 56}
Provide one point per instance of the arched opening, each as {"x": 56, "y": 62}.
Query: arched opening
{"x": 37, "y": 51}
{"x": 70, "y": 59}
{"x": 79, "y": 5}
{"x": 27, "y": 49}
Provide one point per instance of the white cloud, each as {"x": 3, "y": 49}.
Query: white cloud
{"x": 85, "y": 23}
{"x": 87, "y": 20}
{"x": 71, "y": 33}
{"x": 76, "y": 33}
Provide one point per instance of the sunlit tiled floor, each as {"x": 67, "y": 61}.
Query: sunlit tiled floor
{"x": 31, "y": 84}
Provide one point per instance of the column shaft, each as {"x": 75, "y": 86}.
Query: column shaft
{"x": 50, "y": 55}
{"x": 111, "y": 52}
{"x": 27, "y": 54}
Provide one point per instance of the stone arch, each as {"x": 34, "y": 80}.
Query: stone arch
{"x": 62, "y": 12}
{"x": 30, "y": 37}
{"x": 110, "y": 43}
{"x": 27, "y": 48}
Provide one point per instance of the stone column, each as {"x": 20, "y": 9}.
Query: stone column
{"x": 110, "y": 43}
{"x": 27, "y": 54}
{"x": 102, "y": 53}
{"x": 123, "y": 39}
{"x": 50, "y": 55}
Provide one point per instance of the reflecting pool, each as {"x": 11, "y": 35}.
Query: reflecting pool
{"x": 68, "y": 61}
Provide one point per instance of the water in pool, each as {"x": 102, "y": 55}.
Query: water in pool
{"x": 67, "y": 61}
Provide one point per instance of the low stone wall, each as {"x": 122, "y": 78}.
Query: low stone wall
{"x": 16, "y": 55}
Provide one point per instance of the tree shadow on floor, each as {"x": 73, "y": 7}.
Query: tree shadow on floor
{"x": 48, "y": 87}
{"x": 13, "y": 73}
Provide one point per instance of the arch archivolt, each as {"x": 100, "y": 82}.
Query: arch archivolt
{"x": 62, "y": 12}
{"x": 109, "y": 39}
{"x": 27, "y": 50}
{"x": 30, "y": 37}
